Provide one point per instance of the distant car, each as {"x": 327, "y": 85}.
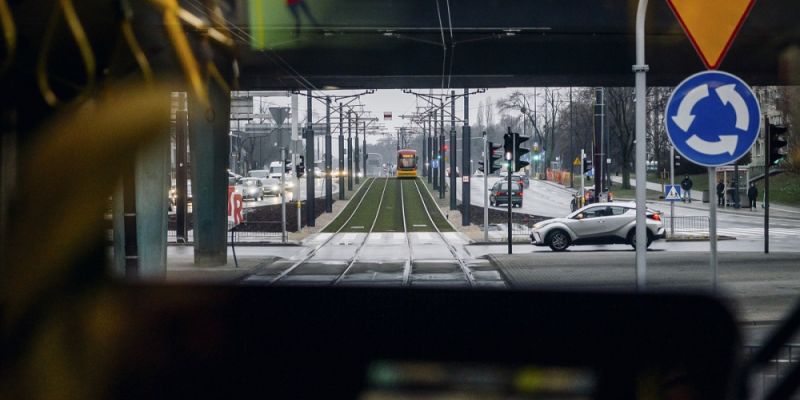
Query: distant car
{"x": 499, "y": 194}
{"x": 318, "y": 172}
{"x": 271, "y": 187}
{"x": 250, "y": 189}
{"x": 600, "y": 223}
{"x": 589, "y": 195}
{"x": 447, "y": 172}
{"x": 477, "y": 173}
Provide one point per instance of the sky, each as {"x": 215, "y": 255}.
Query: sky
{"x": 389, "y": 100}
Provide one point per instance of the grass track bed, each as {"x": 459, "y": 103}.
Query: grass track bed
{"x": 348, "y": 210}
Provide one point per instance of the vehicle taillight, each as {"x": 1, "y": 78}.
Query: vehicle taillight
{"x": 655, "y": 217}
{"x": 519, "y": 194}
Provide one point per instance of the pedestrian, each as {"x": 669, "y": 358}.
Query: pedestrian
{"x": 752, "y": 195}
{"x": 721, "y": 193}
{"x": 686, "y": 185}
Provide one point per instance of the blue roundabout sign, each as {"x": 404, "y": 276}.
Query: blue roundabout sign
{"x": 713, "y": 118}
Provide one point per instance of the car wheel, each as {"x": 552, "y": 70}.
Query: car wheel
{"x": 558, "y": 240}
{"x": 632, "y": 238}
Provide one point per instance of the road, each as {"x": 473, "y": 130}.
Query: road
{"x": 298, "y": 190}
{"x": 552, "y": 200}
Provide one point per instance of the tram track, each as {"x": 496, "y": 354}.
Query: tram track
{"x": 462, "y": 265}
{"x": 355, "y": 269}
{"x": 313, "y": 252}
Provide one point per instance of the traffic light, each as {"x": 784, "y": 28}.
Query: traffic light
{"x": 514, "y": 150}
{"x": 287, "y": 165}
{"x": 520, "y": 151}
{"x": 587, "y": 164}
{"x": 493, "y": 157}
{"x": 301, "y": 167}
{"x": 777, "y": 144}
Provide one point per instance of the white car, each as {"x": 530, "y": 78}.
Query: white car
{"x": 600, "y": 223}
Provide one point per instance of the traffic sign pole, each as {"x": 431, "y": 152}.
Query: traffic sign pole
{"x": 672, "y": 182}
{"x": 712, "y": 225}
{"x": 640, "y": 69}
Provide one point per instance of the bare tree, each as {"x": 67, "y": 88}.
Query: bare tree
{"x": 620, "y": 107}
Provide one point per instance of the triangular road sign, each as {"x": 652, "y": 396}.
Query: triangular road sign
{"x": 673, "y": 194}
{"x": 711, "y": 25}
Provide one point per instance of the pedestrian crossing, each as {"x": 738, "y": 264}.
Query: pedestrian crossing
{"x": 758, "y": 232}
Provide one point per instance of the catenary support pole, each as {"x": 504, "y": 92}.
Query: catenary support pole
{"x": 328, "y": 158}
{"x": 357, "y": 158}
{"x": 442, "y": 184}
{"x": 349, "y": 171}
{"x": 453, "y": 151}
{"x": 310, "y": 163}
{"x": 640, "y": 70}
{"x": 466, "y": 167}
{"x": 341, "y": 153}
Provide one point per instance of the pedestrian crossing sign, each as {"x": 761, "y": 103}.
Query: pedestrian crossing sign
{"x": 672, "y": 193}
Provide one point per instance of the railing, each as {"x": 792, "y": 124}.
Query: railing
{"x": 762, "y": 380}
{"x": 687, "y": 224}
{"x": 246, "y": 232}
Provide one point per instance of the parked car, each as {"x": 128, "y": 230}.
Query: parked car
{"x": 499, "y": 194}
{"x": 447, "y": 171}
{"x": 600, "y": 223}
{"x": 250, "y": 188}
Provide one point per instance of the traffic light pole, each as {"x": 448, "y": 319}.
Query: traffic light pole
{"x": 508, "y": 176}
{"x": 349, "y": 171}
{"x": 487, "y": 168}
{"x": 283, "y": 195}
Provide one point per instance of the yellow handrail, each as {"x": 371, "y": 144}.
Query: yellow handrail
{"x": 133, "y": 44}
{"x": 9, "y": 34}
{"x": 84, "y": 47}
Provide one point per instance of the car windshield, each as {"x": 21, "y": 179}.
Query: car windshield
{"x": 120, "y": 120}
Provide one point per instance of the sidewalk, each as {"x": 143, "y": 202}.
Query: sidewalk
{"x": 181, "y": 268}
{"x": 776, "y": 210}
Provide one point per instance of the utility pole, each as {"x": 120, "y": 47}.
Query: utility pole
{"x": 597, "y": 163}
{"x": 466, "y": 167}
{"x": 767, "y": 150}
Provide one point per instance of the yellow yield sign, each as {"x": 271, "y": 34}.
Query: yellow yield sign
{"x": 711, "y": 25}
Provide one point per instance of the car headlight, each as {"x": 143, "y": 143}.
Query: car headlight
{"x": 290, "y": 184}
{"x": 274, "y": 187}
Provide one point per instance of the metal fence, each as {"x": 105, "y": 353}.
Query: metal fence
{"x": 499, "y": 232}
{"x": 246, "y": 232}
{"x": 764, "y": 379}
{"x": 687, "y": 224}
